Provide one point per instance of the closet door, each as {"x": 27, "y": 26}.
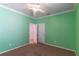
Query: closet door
{"x": 41, "y": 32}
{"x": 32, "y": 33}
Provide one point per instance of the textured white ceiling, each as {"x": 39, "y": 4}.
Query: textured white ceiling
{"x": 49, "y": 8}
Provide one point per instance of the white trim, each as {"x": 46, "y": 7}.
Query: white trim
{"x": 60, "y": 12}
{"x": 76, "y": 53}
{"x": 38, "y": 17}
{"x": 59, "y": 47}
{"x": 42, "y": 43}
{"x": 13, "y": 10}
{"x": 13, "y": 48}
{"x": 41, "y": 31}
{"x": 74, "y": 8}
{"x": 56, "y": 14}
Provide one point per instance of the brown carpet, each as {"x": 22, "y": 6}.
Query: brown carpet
{"x": 39, "y": 50}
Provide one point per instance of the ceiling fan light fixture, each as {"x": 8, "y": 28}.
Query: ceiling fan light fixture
{"x": 35, "y": 7}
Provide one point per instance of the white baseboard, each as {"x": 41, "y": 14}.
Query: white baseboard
{"x": 13, "y": 48}
{"x": 42, "y": 43}
{"x": 59, "y": 47}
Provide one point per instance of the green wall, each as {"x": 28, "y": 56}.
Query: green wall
{"x": 60, "y": 30}
{"x": 14, "y": 29}
{"x": 77, "y": 27}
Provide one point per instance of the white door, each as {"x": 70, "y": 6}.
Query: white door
{"x": 41, "y": 32}
{"x": 32, "y": 33}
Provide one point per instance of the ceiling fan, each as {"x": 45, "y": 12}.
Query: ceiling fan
{"x": 35, "y": 7}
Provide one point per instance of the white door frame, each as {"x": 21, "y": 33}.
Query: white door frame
{"x": 41, "y": 32}
{"x": 32, "y": 33}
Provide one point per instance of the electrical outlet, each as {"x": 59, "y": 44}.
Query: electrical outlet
{"x": 10, "y": 44}
{"x": 13, "y": 44}
{"x": 55, "y": 41}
